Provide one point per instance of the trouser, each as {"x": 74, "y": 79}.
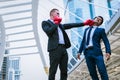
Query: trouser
{"x": 94, "y": 61}
{"x": 58, "y": 57}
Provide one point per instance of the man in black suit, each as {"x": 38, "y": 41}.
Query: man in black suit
{"x": 91, "y": 47}
{"x": 58, "y": 42}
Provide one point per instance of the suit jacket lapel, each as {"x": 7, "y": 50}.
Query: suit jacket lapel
{"x": 60, "y": 26}
{"x": 95, "y": 31}
{"x": 85, "y": 33}
{"x": 84, "y": 37}
{"x": 51, "y": 22}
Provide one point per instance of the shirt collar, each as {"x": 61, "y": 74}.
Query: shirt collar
{"x": 95, "y": 26}
{"x": 51, "y": 20}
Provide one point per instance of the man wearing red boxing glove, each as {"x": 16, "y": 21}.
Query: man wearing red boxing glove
{"x": 57, "y": 20}
{"x": 58, "y": 42}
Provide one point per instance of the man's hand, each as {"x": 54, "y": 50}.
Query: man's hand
{"x": 89, "y": 22}
{"x": 57, "y": 20}
{"x": 107, "y": 56}
{"x": 78, "y": 56}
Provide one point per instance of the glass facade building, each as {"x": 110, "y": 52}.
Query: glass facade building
{"x": 14, "y": 68}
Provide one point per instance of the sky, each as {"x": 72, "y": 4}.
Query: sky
{"x": 32, "y": 68}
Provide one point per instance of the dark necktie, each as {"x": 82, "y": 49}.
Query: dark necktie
{"x": 88, "y": 36}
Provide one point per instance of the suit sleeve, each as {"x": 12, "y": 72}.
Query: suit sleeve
{"x": 106, "y": 42}
{"x": 48, "y": 28}
{"x": 81, "y": 47}
{"x": 72, "y": 25}
{"x": 82, "y": 43}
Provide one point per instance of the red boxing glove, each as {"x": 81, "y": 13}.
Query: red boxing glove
{"x": 89, "y": 22}
{"x": 57, "y": 20}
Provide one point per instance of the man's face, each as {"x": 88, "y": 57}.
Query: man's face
{"x": 56, "y": 13}
{"x": 98, "y": 21}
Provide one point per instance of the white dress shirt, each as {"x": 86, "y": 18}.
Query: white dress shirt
{"x": 61, "y": 38}
{"x": 91, "y": 35}
{"x": 60, "y": 34}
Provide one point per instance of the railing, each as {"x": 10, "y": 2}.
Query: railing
{"x": 112, "y": 23}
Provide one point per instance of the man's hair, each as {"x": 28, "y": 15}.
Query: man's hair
{"x": 101, "y": 18}
{"x": 53, "y": 10}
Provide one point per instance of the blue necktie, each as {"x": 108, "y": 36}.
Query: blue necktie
{"x": 88, "y": 36}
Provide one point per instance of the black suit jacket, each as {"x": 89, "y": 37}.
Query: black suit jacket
{"x": 52, "y": 32}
